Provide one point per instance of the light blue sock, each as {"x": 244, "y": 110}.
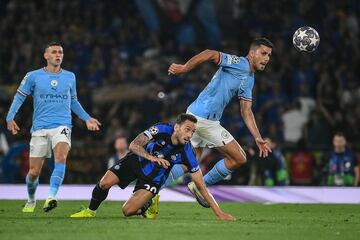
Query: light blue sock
{"x": 31, "y": 188}
{"x": 56, "y": 179}
{"x": 217, "y": 173}
{"x": 176, "y": 172}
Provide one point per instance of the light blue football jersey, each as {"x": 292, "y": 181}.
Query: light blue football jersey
{"x": 52, "y": 96}
{"x": 233, "y": 78}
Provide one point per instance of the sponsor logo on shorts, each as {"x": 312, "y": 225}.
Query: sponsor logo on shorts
{"x": 117, "y": 167}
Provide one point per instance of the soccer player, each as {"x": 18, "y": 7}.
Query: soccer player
{"x": 54, "y": 93}
{"x": 235, "y": 77}
{"x": 153, "y": 153}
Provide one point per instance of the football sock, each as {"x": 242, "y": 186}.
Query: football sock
{"x": 144, "y": 208}
{"x": 176, "y": 172}
{"x": 56, "y": 178}
{"x": 31, "y": 188}
{"x": 98, "y": 195}
{"x": 217, "y": 173}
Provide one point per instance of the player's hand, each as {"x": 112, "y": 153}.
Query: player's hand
{"x": 93, "y": 124}
{"x": 225, "y": 217}
{"x": 263, "y": 146}
{"x": 162, "y": 162}
{"x": 177, "y": 69}
{"x": 13, "y": 127}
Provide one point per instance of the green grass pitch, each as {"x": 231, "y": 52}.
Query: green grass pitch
{"x": 183, "y": 221}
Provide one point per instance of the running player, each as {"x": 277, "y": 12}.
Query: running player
{"x": 54, "y": 93}
{"x": 235, "y": 77}
{"x": 153, "y": 153}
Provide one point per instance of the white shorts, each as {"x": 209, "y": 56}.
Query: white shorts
{"x": 209, "y": 134}
{"x": 44, "y": 140}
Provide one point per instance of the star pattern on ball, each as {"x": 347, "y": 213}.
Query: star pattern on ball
{"x": 306, "y": 39}
{"x": 313, "y": 41}
{"x": 302, "y": 47}
{"x": 302, "y": 34}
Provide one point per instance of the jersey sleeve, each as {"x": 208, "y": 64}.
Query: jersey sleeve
{"x": 73, "y": 92}
{"x": 228, "y": 60}
{"x": 27, "y": 85}
{"x": 189, "y": 159}
{"x": 158, "y": 130}
{"x": 245, "y": 89}
{"x": 75, "y": 104}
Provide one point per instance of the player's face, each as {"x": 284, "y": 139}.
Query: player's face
{"x": 260, "y": 57}
{"x": 184, "y": 131}
{"x": 54, "y": 55}
{"x": 339, "y": 142}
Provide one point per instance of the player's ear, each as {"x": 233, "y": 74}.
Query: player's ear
{"x": 45, "y": 55}
{"x": 176, "y": 127}
{"x": 252, "y": 52}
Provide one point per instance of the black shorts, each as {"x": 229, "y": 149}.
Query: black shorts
{"x": 128, "y": 169}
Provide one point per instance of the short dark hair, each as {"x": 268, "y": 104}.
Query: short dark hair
{"x": 181, "y": 118}
{"x": 261, "y": 41}
{"x": 52, "y": 44}
{"x": 339, "y": 134}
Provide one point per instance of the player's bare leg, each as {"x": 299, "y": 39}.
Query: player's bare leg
{"x": 108, "y": 180}
{"x": 61, "y": 151}
{"x": 234, "y": 155}
{"x": 136, "y": 202}
{"x": 35, "y": 166}
{"x": 32, "y": 181}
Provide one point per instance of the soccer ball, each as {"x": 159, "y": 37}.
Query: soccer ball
{"x": 306, "y": 39}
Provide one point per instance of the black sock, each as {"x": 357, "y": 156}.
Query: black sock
{"x": 98, "y": 195}
{"x": 145, "y": 207}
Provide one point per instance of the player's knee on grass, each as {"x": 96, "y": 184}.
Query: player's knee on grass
{"x": 128, "y": 210}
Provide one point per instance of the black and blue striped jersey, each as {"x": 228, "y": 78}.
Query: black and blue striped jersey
{"x": 162, "y": 147}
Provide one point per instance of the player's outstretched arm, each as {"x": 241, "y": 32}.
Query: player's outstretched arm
{"x": 204, "y": 56}
{"x": 249, "y": 120}
{"x": 137, "y": 146}
{"x": 197, "y": 178}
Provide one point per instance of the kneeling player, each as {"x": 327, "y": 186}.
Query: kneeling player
{"x": 152, "y": 155}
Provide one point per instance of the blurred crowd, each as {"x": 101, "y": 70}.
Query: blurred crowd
{"x": 120, "y": 52}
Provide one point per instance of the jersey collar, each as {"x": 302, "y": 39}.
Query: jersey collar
{"x": 58, "y": 72}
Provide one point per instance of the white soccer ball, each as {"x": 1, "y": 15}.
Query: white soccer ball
{"x": 306, "y": 39}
